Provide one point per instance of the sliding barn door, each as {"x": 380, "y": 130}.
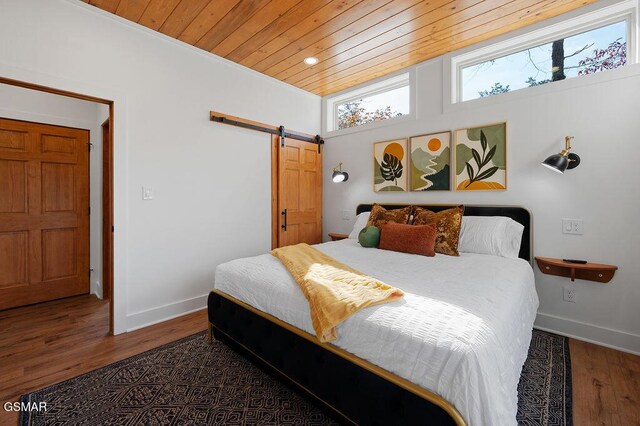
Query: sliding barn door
{"x": 299, "y": 193}
{"x": 44, "y": 212}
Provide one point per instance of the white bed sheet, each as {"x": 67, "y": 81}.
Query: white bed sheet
{"x": 462, "y": 330}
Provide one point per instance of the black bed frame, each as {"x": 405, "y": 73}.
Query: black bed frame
{"x": 354, "y": 390}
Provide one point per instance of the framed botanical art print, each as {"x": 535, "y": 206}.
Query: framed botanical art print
{"x": 389, "y": 165}
{"x": 430, "y": 162}
{"x": 481, "y": 158}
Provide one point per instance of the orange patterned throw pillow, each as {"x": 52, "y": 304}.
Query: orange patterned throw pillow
{"x": 447, "y": 223}
{"x": 379, "y": 216}
{"x": 412, "y": 239}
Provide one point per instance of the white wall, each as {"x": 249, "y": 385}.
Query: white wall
{"x": 601, "y": 111}
{"x": 30, "y": 105}
{"x": 211, "y": 181}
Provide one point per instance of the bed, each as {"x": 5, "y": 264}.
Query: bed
{"x": 450, "y": 352}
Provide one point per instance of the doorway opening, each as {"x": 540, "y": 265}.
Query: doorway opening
{"x": 56, "y": 149}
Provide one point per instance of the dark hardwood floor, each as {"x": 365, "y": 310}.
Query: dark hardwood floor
{"x": 47, "y": 343}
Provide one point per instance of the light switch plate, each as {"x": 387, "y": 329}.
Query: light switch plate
{"x": 346, "y": 215}
{"x": 572, "y": 226}
{"x": 147, "y": 193}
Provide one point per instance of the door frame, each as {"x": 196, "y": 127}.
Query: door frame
{"x": 107, "y": 216}
{"x": 110, "y": 104}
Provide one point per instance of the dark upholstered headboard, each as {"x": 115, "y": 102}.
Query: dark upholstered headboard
{"x": 519, "y": 214}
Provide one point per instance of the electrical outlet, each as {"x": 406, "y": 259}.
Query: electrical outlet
{"x": 346, "y": 215}
{"x": 577, "y": 226}
{"x": 569, "y": 294}
{"x": 572, "y": 226}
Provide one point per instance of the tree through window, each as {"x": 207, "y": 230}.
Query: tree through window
{"x": 586, "y": 53}
{"x": 380, "y": 106}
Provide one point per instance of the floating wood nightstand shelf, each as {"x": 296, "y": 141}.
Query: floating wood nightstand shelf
{"x": 587, "y": 271}
{"x": 337, "y": 237}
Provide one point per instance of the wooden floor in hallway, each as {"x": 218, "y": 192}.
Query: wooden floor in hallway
{"x": 50, "y": 342}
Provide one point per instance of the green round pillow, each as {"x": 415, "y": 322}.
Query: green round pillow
{"x": 369, "y": 236}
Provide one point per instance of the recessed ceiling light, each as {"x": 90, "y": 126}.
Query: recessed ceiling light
{"x": 310, "y": 60}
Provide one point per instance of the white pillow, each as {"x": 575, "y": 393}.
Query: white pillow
{"x": 361, "y": 222}
{"x": 495, "y": 235}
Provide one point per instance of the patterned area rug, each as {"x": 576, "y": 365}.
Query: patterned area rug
{"x": 544, "y": 391}
{"x": 189, "y": 382}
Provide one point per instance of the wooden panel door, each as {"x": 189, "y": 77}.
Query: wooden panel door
{"x": 299, "y": 193}
{"x": 44, "y": 212}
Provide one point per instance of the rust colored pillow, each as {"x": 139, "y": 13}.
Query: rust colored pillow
{"x": 447, "y": 224}
{"x": 379, "y": 216}
{"x": 419, "y": 239}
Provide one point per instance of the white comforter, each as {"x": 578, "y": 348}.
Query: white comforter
{"x": 462, "y": 330}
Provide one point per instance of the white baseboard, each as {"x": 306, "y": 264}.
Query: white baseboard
{"x": 166, "y": 312}
{"x": 591, "y": 333}
{"x": 99, "y": 290}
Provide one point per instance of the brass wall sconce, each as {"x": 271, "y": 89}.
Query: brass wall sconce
{"x": 564, "y": 160}
{"x": 338, "y": 175}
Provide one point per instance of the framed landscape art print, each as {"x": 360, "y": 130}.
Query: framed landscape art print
{"x": 430, "y": 162}
{"x": 481, "y": 158}
{"x": 390, "y": 165}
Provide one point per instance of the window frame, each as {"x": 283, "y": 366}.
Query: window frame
{"x": 626, "y": 11}
{"x": 331, "y": 103}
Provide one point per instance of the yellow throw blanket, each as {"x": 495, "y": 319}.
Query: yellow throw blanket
{"x": 334, "y": 290}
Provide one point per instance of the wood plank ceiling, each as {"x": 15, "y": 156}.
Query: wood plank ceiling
{"x": 354, "y": 40}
